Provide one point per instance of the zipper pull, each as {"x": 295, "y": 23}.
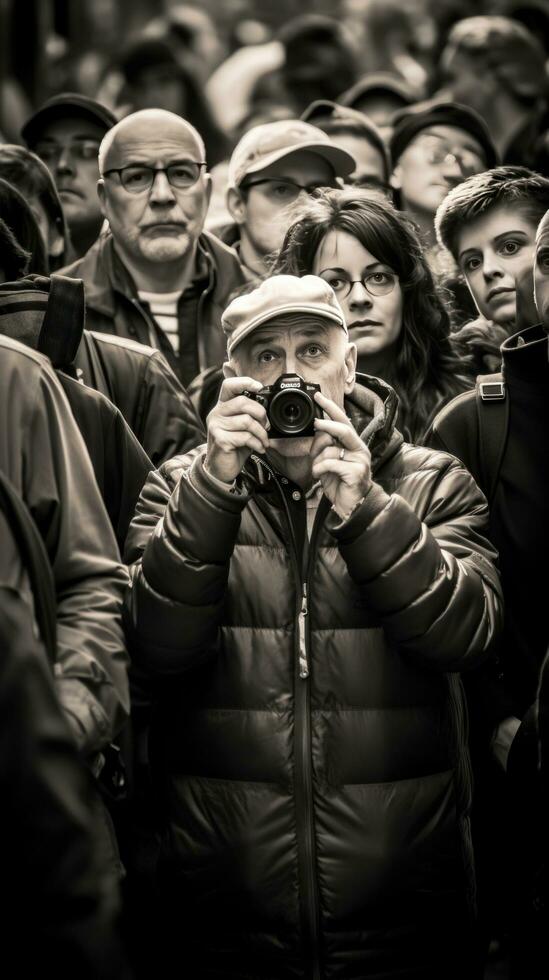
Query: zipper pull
{"x": 303, "y": 662}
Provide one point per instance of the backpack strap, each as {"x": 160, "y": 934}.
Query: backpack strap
{"x": 63, "y": 322}
{"x": 493, "y": 423}
{"x": 35, "y": 559}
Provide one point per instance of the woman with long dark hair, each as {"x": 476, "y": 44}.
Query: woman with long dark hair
{"x": 371, "y": 256}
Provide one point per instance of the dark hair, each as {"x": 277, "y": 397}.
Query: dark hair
{"x": 16, "y": 214}
{"x": 13, "y": 259}
{"x": 426, "y": 370}
{"x": 31, "y": 177}
{"x": 518, "y": 187}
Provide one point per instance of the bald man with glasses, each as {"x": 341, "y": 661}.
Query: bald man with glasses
{"x": 156, "y": 276}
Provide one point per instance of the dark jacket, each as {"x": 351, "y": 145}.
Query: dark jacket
{"x": 135, "y": 378}
{"x": 44, "y": 457}
{"x": 120, "y": 464}
{"x": 112, "y": 304}
{"x": 316, "y": 820}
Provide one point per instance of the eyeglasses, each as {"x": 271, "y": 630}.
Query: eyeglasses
{"x": 375, "y": 283}
{"x": 80, "y": 150}
{"x": 283, "y": 190}
{"x": 137, "y": 178}
{"x": 468, "y": 162}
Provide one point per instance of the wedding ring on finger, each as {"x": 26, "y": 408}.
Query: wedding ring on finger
{"x": 342, "y": 453}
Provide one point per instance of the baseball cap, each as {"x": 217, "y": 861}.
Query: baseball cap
{"x": 61, "y": 106}
{"x": 274, "y": 297}
{"x": 378, "y": 81}
{"x": 331, "y": 113}
{"x": 409, "y": 122}
{"x": 265, "y": 144}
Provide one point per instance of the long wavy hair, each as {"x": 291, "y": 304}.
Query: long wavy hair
{"x": 426, "y": 371}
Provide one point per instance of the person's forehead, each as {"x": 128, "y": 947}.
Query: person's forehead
{"x": 453, "y": 135}
{"x": 72, "y": 126}
{"x": 300, "y": 164}
{"x": 148, "y": 142}
{"x": 481, "y": 232}
{"x": 338, "y": 249}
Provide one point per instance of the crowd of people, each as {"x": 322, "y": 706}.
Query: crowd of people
{"x": 274, "y": 377}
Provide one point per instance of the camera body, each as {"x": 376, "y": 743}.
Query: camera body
{"x": 290, "y": 406}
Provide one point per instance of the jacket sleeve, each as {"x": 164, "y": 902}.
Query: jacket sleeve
{"x": 181, "y": 540}
{"x": 433, "y": 581}
{"x": 169, "y": 425}
{"x": 60, "y": 490}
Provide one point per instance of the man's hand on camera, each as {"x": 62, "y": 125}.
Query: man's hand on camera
{"x": 341, "y": 461}
{"x": 236, "y": 428}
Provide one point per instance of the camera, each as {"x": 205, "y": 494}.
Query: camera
{"x": 290, "y": 406}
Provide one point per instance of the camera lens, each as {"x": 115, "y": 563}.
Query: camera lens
{"x": 291, "y": 411}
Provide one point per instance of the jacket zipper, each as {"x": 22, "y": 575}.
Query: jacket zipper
{"x": 302, "y": 627}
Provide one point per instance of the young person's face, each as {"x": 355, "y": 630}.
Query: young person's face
{"x": 69, "y": 147}
{"x": 494, "y": 251}
{"x": 368, "y": 292}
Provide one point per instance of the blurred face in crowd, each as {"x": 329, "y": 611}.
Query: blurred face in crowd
{"x": 159, "y": 85}
{"x": 467, "y": 81}
{"x": 541, "y": 272}
{"x": 154, "y": 217}
{"x": 437, "y": 159}
{"x": 380, "y": 108}
{"x": 313, "y": 347}
{"x": 265, "y": 202}
{"x": 368, "y": 292}
{"x": 370, "y": 168}
{"x": 494, "y": 252}
{"x": 69, "y": 149}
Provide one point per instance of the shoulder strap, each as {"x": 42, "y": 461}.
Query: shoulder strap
{"x": 493, "y": 423}
{"x": 36, "y": 561}
{"x": 63, "y": 322}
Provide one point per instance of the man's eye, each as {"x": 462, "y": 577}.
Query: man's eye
{"x": 510, "y": 248}
{"x": 283, "y": 191}
{"x": 267, "y": 357}
{"x": 137, "y": 178}
{"x": 313, "y": 350}
{"x": 542, "y": 262}
{"x": 88, "y": 150}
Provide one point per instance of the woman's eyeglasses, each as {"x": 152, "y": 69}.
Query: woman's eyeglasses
{"x": 138, "y": 177}
{"x": 375, "y": 283}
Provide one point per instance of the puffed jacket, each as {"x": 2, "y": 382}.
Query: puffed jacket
{"x": 310, "y": 736}
{"x": 44, "y": 457}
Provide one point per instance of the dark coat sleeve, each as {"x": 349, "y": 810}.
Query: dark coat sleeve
{"x": 61, "y": 493}
{"x": 432, "y": 581}
{"x": 179, "y": 575}
{"x": 58, "y": 919}
{"x": 168, "y": 423}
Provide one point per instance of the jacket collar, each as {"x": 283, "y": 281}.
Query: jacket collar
{"x": 106, "y": 275}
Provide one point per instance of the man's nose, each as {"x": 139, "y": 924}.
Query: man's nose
{"x": 65, "y": 162}
{"x": 161, "y": 190}
{"x": 451, "y": 168}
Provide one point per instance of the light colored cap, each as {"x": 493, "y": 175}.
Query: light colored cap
{"x": 263, "y": 145}
{"x": 275, "y": 297}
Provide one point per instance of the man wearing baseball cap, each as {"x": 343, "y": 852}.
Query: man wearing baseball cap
{"x": 65, "y": 133}
{"x": 434, "y": 147}
{"x": 272, "y": 169}
{"x": 304, "y": 588}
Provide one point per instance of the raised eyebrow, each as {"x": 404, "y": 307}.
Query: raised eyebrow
{"x": 505, "y": 234}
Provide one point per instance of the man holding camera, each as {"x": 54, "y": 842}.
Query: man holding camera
{"x": 304, "y": 589}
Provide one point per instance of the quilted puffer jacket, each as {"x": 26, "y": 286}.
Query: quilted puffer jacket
{"x": 310, "y": 737}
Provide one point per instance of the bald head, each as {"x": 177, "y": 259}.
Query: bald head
{"x": 146, "y": 128}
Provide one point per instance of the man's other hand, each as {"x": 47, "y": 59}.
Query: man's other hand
{"x": 236, "y": 428}
{"x": 341, "y": 461}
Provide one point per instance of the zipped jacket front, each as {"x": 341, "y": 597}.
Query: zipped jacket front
{"x": 310, "y": 729}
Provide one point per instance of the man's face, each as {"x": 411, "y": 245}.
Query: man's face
{"x": 466, "y": 81}
{"x": 161, "y": 223}
{"x": 437, "y": 159}
{"x": 370, "y": 168}
{"x": 317, "y": 350}
{"x": 380, "y": 108}
{"x": 69, "y": 149}
{"x": 265, "y": 204}
{"x": 494, "y": 252}
{"x": 541, "y": 274}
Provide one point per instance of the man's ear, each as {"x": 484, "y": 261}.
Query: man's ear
{"x": 350, "y": 367}
{"x": 395, "y": 180}
{"x": 236, "y": 205}
{"x": 229, "y": 370}
{"x": 102, "y": 195}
